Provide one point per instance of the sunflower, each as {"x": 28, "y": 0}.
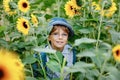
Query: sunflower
{"x": 34, "y": 19}
{"x": 23, "y": 26}
{"x": 11, "y": 67}
{"x": 109, "y": 8}
{"x": 71, "y": 8}
{"x": 116, "y": 53}
{"x": 9, "y": 8}
{"x": 23, "y": 5}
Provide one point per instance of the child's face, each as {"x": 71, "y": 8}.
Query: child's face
{"x": 58, "y": 38}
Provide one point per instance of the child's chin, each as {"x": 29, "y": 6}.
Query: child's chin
{"x": 60, "y": 46}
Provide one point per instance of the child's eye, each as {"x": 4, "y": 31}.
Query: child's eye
{"x": 64, "y": 34}
{"x": 55, "y": 33}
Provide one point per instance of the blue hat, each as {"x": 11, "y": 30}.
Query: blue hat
{"x": 60, "y": 21}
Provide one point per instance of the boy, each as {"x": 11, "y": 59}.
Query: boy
{"x": 59, "y": 33}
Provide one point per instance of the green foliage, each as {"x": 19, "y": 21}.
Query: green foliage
{"x": 94, "y": 38}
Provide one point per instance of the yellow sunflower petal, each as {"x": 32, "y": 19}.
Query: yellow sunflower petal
{"x": 7, "y": 7}
{"x": 110, "y": 11}
{"x": 23, "y": 5}
{"x": 9, "y": 68}
{"x": 95, "y": 6}
{"x": 69, "y": 9}
{"x": 23, "y": 26}
{"x": 116, "y": 53}
{"x": 34, "y": 20}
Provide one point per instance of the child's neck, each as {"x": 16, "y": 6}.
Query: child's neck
{"x": 58, "y": 49}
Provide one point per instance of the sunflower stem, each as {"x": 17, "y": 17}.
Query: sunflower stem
{"x": 71, "y": 76}
{"x": 59, "y": 4}
{"x": 84, "y": 16}
{"x": 62, "y": 69}
{"x": 31, "y": 70}
{"x": 102, "y": 69}
{"x": 99, "y": 27}
{"x": 43, "y": 69}
{"x": 118, "y": 16}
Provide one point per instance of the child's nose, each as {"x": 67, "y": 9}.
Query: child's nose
{"x": 60, "y": 36}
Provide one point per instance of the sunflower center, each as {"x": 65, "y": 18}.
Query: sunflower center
{"x": 118, "y": 52}
{"x": 1, "y": 74}
{"x": 25, "y": 25}
{"x": 76, "y": 11}
{"x": 24, "y": 5}
{"x": 71, "y": 7}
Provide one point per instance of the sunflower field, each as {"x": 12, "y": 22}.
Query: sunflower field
{"x": 23, "y": 29}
